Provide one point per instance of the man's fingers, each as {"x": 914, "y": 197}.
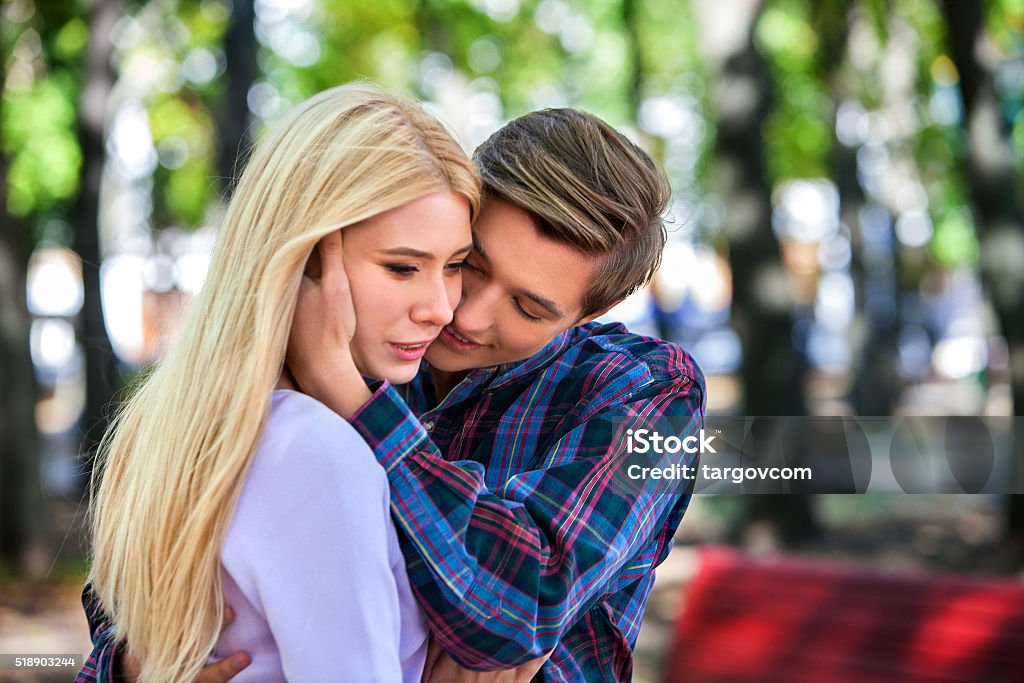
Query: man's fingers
{"x": 225, "y": 669}
{"x": 130, "y": 668}
{"x": 527, "y": 671}
{"x": 332, "y": 264}
{"x": 330, "y": 249}
{"x": 229, "y": 616}
{"x": 434, "y": 653}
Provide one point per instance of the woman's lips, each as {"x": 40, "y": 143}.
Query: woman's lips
{"x": 454, "y": 340}
{"x": 409, "y": 352}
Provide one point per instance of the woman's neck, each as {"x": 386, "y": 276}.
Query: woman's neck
{"x": 286, "y": 381}
{"x": 444, "y": 382}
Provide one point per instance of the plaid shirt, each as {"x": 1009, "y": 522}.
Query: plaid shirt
{"x": 521, "y": 533}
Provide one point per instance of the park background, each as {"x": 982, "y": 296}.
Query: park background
{"x": 845, "y": 235}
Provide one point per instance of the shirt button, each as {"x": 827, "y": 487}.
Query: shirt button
{"x": 428, "y": 425}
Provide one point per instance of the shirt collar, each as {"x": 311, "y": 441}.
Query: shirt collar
{"x": 509, "y": 372}
{"x": 490, "y": 377}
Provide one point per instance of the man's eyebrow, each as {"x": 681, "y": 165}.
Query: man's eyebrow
{"x": 547, "y": 304}
{"x": 544, "y": 302}
{"x": 479, "y": 249}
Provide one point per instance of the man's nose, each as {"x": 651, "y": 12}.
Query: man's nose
{"x": 475, "y": 313}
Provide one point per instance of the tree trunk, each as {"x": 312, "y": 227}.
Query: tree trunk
{"x": 101, "y": 374}
{"x": 762, "y": 308}
{"x": 992, "y": 183}
{"x": 21, "y": 505}
{"x": 874, "y": 268}
{"x": 233, "y": 124}
{"x": 631, "y": 23}
{"x": 22, "y": 512}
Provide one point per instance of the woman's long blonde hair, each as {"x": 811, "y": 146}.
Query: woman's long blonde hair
{"x": 172, "y": 466}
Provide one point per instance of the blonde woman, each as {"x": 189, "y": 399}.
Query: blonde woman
{"x": 220, "y": 485}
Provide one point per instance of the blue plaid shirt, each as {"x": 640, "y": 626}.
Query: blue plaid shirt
{"x": 521, "y": 532}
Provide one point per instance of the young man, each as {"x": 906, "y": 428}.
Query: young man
{"x": 505, "y": 458}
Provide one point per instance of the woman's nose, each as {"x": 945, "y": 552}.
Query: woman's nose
{"x": 434, "y": 306}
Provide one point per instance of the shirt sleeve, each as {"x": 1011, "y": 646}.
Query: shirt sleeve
{"x": 99, "y": 665}
{"x": 506, "y": 572}
{"x": 317, "y": 552}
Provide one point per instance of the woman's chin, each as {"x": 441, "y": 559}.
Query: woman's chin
{"x": 398, "y": 374}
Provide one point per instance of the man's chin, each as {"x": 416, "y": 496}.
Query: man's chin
{"x": 446, "y": 360}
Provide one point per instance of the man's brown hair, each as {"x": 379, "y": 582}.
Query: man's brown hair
{"x": 585, "y": 185}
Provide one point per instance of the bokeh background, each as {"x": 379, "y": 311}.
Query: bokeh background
{"x": 845, "y": 237}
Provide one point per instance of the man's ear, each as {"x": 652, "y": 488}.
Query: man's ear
{"x": 595, "y": 316}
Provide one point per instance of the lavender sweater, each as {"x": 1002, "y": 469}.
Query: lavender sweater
{"x": 311, "y": 563}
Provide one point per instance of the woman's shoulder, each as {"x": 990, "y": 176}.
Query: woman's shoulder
{"x": 304, "y": 439}
{"x": 311, "y": 487}
{"x": 297, "y": 416}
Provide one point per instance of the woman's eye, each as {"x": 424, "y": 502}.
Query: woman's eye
{"x": 523, "y": 312}
{"x": 400, "y": 269}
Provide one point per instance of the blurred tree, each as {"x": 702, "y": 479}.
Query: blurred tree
{"x": 637, "y": 67}
{"x": 38, "y": 176}
{"x": 431, "y": 28}
{"x": 876, "y": 379}
{"x": 22, "y": 514}
{"x": 233, "y": 123}
{"x": 763, "y": 307}
{"x": 173, "y": 61}
{"x": 102, "y": 378}
{"x": 991, "y": 177}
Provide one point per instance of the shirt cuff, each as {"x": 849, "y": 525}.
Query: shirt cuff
{"x": 388, "y": 426}
{"x": 112, "y": 664}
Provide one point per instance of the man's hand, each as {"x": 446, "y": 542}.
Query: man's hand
{"x": 319, "y": 356}
{"x": 225, "y": 669}
{"x": 218, "y": 672}
{"x": 441, "y": 668}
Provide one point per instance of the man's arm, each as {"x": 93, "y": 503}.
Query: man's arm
{"x": 505, "y": 572}
{"x": 109, "y": 661}
{"x": 441, "y": 668}
{"x": 99, "y": 666}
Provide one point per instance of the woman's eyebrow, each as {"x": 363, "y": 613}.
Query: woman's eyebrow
{"x": 416, "y": 253}
{"x": 406, "y": 251}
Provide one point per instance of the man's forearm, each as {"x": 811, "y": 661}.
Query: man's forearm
{"x": 101, "y": 665}
{"x": 503, "y": 574}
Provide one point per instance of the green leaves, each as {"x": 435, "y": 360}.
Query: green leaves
{"x": 40, "y": 141}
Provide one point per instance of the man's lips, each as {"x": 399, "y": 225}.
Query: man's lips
{"x": 449, "y": 337}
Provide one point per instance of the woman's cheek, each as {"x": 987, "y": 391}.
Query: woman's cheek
{"x": 454, "y": 290}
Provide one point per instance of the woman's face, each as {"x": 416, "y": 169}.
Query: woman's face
{"x": 404, "y": 271}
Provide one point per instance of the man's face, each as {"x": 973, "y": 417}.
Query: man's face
{"x": 519, "y": 290}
